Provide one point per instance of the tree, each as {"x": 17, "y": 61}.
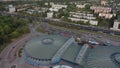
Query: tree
{"x": 11, "y": 27}
{"x": 7, "y": 29}
{"x": 66, "y": 19}
{"x": 71, "y": 8}
{"x": 15, "y": 34}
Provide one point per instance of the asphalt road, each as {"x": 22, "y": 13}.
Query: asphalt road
{"x": 86, "y": 36}
{"x": 8, "y": 54}
{"x": 5, "y": 53}
{"x": 91, "y": 28}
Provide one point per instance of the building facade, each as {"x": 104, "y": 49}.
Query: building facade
{"x": 116, "y": 25}
{"x": 49, "y": 14}
{"x": 56, "y": 7}
{"x": 83, "y": 16}
{"x": 100, "y": 9}
{"x": 11, "y": 8}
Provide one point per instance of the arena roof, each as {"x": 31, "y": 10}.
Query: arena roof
{"x": 100, "y": 57}
{"x": 45, "y": 47}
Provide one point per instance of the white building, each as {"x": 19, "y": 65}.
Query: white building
{"x": 11, "y": 8}
{"x": 21, "y": 9}
{"x": 93, "y": 22}
{"x": 81, "y": 6}
{"x": 56, "y": 7}
{"x": 116, "y": 25}
{"x": 49, "y": 14}
{"x": 59, "y": 6}
{"x": 82, "y": 15}
{"x": 46, "y": 3}
{"x": 78, "y": 19}
{"x": 44, "y": 9}
{"x": 51, "y": 3}
{"x": 30, "y": 11}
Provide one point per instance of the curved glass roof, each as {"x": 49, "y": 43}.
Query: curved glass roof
{"x": 100, "y": 57}
{"x": 45, "y": 47}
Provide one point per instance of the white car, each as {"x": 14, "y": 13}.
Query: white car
{"x": 93, "y": 42}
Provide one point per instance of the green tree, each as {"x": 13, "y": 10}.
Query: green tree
{"x": 15, "y": 34}
{"x": 71, "y": 8}
{"x": 12, "y": 27}
{"x": 7, "y": 29}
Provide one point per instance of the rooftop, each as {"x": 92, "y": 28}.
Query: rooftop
{"x": 100, "y": 57}
{"x": 71, "y": 53}
{"x": 45, "y": 46}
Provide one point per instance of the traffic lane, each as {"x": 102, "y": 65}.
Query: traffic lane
{"x": 13, "y": 51}
{"x": 3, "y": 56}
{"x": 104, "y": 39}
{"x": 5, "y": 53}
{"x": 88, "y": 36}
{"x": 96, "y": 29}
{"x": 72, "y": 24}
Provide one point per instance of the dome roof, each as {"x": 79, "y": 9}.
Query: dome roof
{"x": 44, "y": 47}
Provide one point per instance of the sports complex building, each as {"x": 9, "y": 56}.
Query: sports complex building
{"x": 53, "y": 50}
